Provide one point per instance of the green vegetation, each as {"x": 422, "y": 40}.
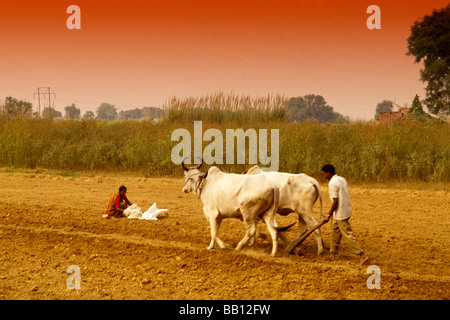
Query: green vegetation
{"x": 430, "y": 42}
{"x": 405, "y": 151}
{"x": 312, "y": 107}
{"x": 416, "y": 113}
{"x": 16, "y": 108}
{"x": 226, "y": 108}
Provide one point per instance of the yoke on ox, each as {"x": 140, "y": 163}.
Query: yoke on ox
{"x": 226, "y": 195}
{"x": 298, "y": 193}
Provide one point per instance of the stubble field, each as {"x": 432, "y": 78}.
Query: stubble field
{"x": 51, "y": 222}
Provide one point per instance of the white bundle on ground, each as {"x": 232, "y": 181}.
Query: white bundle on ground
{"x": 134, "y": 212}
{"x": 153, "y": 212}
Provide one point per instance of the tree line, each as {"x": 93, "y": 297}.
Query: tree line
{"x": 13, "y": 107}
{"x": 310, "y": 107}
{"x": 303, "y": 108}
{"x": 109, "y": 112}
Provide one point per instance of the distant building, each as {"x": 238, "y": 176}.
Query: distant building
{"x": 386, "y": 117}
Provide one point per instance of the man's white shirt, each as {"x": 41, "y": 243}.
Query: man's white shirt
{"x": 338, "y": 188}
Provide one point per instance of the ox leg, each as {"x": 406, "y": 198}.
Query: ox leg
{"x": 302, "y": 229}
{"x": 302, "y": 226}
{"x": 273, "y": 233}
{"x": 257, "y": 235}
{"x": 281, "y": 235}
{"x": 250, "y": 231}
{"x": 311, "y": 222}
{"x": 283, "y": 238}
{"x": 214, "y": 225}
{"x": 252, "y": 240}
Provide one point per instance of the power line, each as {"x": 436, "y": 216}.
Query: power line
{"x": 43, "y": 91}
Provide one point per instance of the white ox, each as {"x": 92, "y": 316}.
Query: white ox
{"x": 298, "y": 193}
{"x": 226, "y": 195}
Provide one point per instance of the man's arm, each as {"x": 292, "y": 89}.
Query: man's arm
{"x": 333, "y": 208}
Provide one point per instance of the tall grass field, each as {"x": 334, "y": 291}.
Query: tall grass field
{"x": 359, "y": 150}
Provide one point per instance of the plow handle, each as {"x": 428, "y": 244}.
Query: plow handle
{"x": 296, "y": 242}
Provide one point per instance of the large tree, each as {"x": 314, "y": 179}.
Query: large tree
{"x": 430, "y": 41}
{"x": 89, "y": 115}
{"x": 106, "y": 111}
{"x": 72, "y": 112}
{"x": 17, "y": 108}
{"x": 51, "y": 113}
{"x": 311, "y": 107}
{"x": 130, "y": 114}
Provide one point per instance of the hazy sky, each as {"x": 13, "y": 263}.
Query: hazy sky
{"x": 136, "y": 53}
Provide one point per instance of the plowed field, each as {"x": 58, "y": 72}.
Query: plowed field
{"x": 49, "y": 223}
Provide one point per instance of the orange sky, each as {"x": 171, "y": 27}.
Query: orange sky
{"x": 136, "y": 53}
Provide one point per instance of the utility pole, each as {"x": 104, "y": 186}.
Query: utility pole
{"x": 43, "y": 91}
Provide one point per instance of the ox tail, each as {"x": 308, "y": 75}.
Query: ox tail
{"x": 319, "y": 194}
{"x": 282, "y": 229}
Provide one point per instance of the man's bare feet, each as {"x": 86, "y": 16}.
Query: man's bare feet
{"x": 364, "y": 258}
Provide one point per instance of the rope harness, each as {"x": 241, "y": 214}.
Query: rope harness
{"x": 199, "y": 184}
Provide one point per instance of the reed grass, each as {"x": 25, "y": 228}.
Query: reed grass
{"x": 226, "y": 108}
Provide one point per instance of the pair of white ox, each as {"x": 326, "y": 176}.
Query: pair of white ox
{"x": 254, "y": 195}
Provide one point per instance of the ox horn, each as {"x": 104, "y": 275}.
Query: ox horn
{"x": 182, "y": 164}
{"x": 201, "y": 162}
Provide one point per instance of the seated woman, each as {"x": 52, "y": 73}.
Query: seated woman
{"x": 117, "y": 203}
